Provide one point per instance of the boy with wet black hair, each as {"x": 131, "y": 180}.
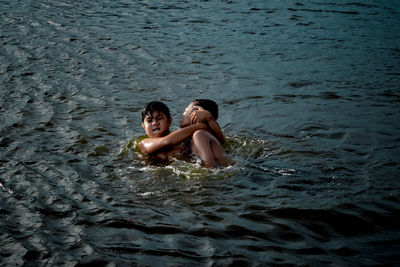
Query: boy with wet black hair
{"x": 204, "y": 110}
{"x": 161, "y": 144}
{"x": 206, "y": 144}
{"x": 155, "y": 106}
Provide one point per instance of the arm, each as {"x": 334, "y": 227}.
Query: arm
{"x": 205, "y": 116}
{"x": 153, "y": 145}
{"x": 216, "y": 130}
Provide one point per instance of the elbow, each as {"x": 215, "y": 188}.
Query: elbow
{"x": 148, "y": 148}
{"x": 143, "y": 148}
{"x": 222, "y": 140}
{"x": 220, "y": 137}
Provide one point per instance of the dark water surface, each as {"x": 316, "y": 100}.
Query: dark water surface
{"x": 309, "y": 100}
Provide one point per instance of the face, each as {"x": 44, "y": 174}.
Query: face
{"x": 185, "y": 120}
{"x": 156, "y": 124}
{"x": 189, "y": 109}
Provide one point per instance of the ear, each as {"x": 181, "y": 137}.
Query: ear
{"x": 143, "y": 126}
{"x": 169, "y": 121}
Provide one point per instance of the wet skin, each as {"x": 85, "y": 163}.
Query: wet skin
{"x": 161, "y": 142}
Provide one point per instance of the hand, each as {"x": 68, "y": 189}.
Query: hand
{"x": 200, "y": 115}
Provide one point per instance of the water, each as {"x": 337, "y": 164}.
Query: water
{"x": 309, "y": 101}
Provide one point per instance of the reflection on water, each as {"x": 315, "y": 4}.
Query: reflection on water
{"x": 308, "y": 97}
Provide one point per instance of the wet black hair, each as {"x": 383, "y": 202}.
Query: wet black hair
{"x": 155, "y": 106}
{"x": 208, "y": 105}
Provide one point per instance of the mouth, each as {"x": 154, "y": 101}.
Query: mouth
{"x": 156, "y": 129}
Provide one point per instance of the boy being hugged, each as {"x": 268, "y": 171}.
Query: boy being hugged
{"x": 207, "y": 144}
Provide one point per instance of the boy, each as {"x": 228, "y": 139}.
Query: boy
{"x": 160, "y": 144}
{"x": 206, "y": 144}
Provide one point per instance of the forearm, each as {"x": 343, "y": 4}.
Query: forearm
{"x": 180, "y": 135}
{"x": 153, "y": 145}
{"x": 216, "y": 130}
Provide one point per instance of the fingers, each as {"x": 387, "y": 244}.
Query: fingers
{"x": 193, "y": 117}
